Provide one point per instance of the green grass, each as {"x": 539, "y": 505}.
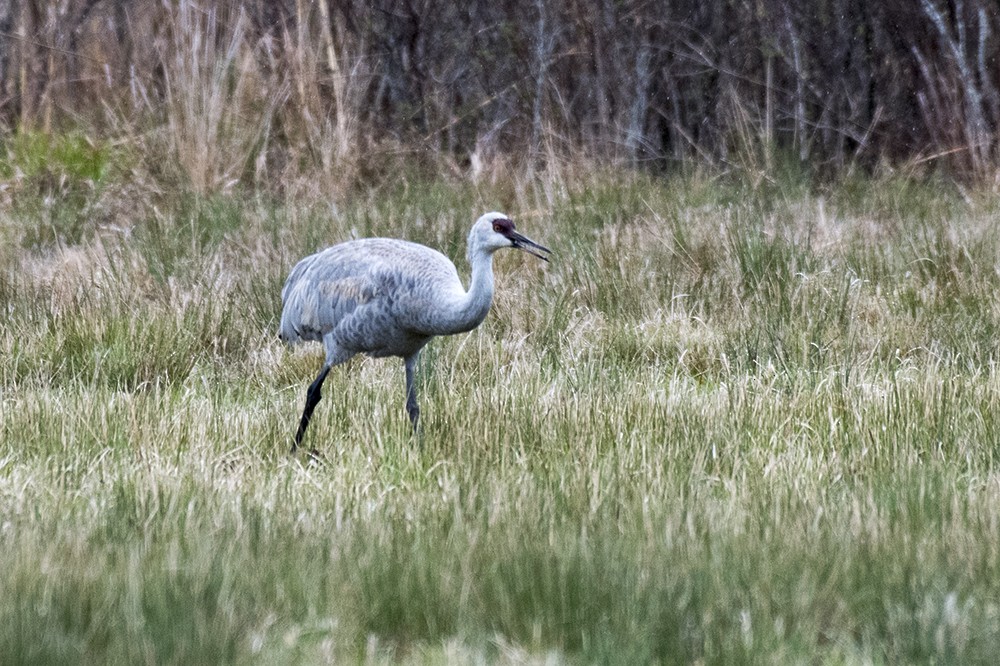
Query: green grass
{"x": 57, "y": 185}
{"x": 718, "y": 427}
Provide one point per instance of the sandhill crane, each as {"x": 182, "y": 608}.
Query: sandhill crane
{"x": 389, "y": 297}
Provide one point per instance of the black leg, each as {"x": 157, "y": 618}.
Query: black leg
{"x": 411, "y": 391}
{"x": 312, "y": 399}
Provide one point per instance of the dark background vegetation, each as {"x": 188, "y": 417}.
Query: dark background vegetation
{"x": 335, "y": 87}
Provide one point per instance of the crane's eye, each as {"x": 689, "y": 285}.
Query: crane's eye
{"x": 503, "y": 226}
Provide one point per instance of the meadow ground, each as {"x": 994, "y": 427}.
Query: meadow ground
{"x": 728, "y": 423}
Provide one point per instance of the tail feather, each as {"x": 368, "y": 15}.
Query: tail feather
{"x": 291, "y": 297}
{"x": 287, "y": 330}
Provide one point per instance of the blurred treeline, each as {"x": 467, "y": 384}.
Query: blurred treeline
{"x": 260, "y": 90}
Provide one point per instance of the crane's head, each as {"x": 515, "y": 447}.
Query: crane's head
{"x": 494, "y": 231}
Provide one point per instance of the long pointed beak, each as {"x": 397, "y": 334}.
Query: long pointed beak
{"x": 531, "y": 247}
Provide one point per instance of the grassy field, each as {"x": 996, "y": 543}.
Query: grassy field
{"x": 726, "y": 424}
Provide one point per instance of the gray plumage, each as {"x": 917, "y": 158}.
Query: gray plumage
{"x": 389, "y": 297}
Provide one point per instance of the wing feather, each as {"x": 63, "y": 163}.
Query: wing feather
{"x": 321, "y": 291}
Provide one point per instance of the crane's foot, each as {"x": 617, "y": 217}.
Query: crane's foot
{"x": 313, "y": 455}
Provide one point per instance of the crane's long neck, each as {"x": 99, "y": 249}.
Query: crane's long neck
{"x": 471, "y": 309}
